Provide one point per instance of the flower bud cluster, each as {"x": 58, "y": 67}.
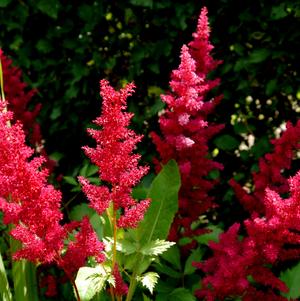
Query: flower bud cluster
{"x": 185, "y": 131}
{"x": 33, "y": 206}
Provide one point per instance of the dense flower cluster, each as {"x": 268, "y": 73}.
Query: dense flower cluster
{"x": 268, "y": 234}
{"x": 228, "y": 272}
{"x": 84, "y": 245}
{"x": 118, "y": 166}
{"x": 33, "y": 206}
{"x": 270, "y": 170}
{"x": 185, "y": 129}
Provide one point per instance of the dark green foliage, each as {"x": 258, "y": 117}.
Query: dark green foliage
{"x": 65, "y": 48}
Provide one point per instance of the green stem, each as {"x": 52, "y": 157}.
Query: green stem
{"x": 74, "y": 285}
{"x": 132, "y": 285}
{"x": 4, "y": 285}
{"x": 134, "y": 276}
{"x": 1, "y": 82}
{"x": 2, "y": 98}
{"x": 114, "y": 249}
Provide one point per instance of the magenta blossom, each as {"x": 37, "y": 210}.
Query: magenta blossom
{"x": 185, "y": 131}
{"x": 118, "y": 165}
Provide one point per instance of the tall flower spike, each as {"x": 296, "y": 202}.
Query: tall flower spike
{"x": 26, "y": 198}
{"x": 185, "y": 131}
{"x": 118, "y": 165}
{"x": 271, "y": 240}
{"x": 270, "y": 170}
{"x": 33, "y": 206}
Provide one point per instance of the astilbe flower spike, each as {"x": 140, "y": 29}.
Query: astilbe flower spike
{"x": 118, "y": 165}
{"x": 271, "y": 168}
{"x": 33, "y": 206}
{"x": 235, "y": 260}
{"x": 185, "y": 130}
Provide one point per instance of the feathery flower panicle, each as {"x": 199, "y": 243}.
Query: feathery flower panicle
{"x": 33, "y": 206}
{"x": 271, "y": 168}
{"x": 234, "y": 260}
{"x": 86, "y": 244}
{"x": 185, "y": 130}
{"x": 118, "y": 165}
{"x": 26, "y": 199}
{"x": 201, "y": 47}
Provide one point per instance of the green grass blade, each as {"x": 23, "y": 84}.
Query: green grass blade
{"x": 4, "y": 285}
{"x": 24, "y": 277}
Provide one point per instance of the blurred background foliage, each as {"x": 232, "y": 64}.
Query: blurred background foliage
{"x": 65, "y": 47}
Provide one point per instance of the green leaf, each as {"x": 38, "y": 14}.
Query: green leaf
{"x": 226, "y": 142}
{"x": 88, "y": 170}
{"x": 90, "y": 281}
{"x": 242, "y": 127}
{"x": 271, "y": 87}
{"x": 71, "y": 180}
{"x": 156, "y": 247}
{"x": 172, "y": 256}
{"x": 4, "y": 285}
{"x": 149, "y": 280}
{"x": 164, "y": 195}
{"x": 56, "y": 112}
{"x": 261, "y": 147}
{"x": 213, "y": 235}
{"x": 181, "y": 294}
{"x": 291, "y": 277}
{"x": 141, "y": 191}
{"x": 166, "y": 270}
{"x": 97, "y": 223}
{"x": 130, "y": 263}
{"x": 144, "y": 3}
{"x": 49, "y": 7}
{"x": 4, "y": 3}
{"x": 123, "y": 245}
{"x": 278, "y": 12}
{"x": 145, "y": 298}
{"x": 258, "y": 56}
{"x": 214, "y": 174}
{"x": 24, "y": 276}
{"x": 156, "y": 108}
{"x": 79, "y": 211}
{"x": 44, "y": 46}
{"x": 165, "y": 287}
{"x": 195, "y": 256}
{"x": 154, "y": 90}
{"x": 56, "y": 156}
